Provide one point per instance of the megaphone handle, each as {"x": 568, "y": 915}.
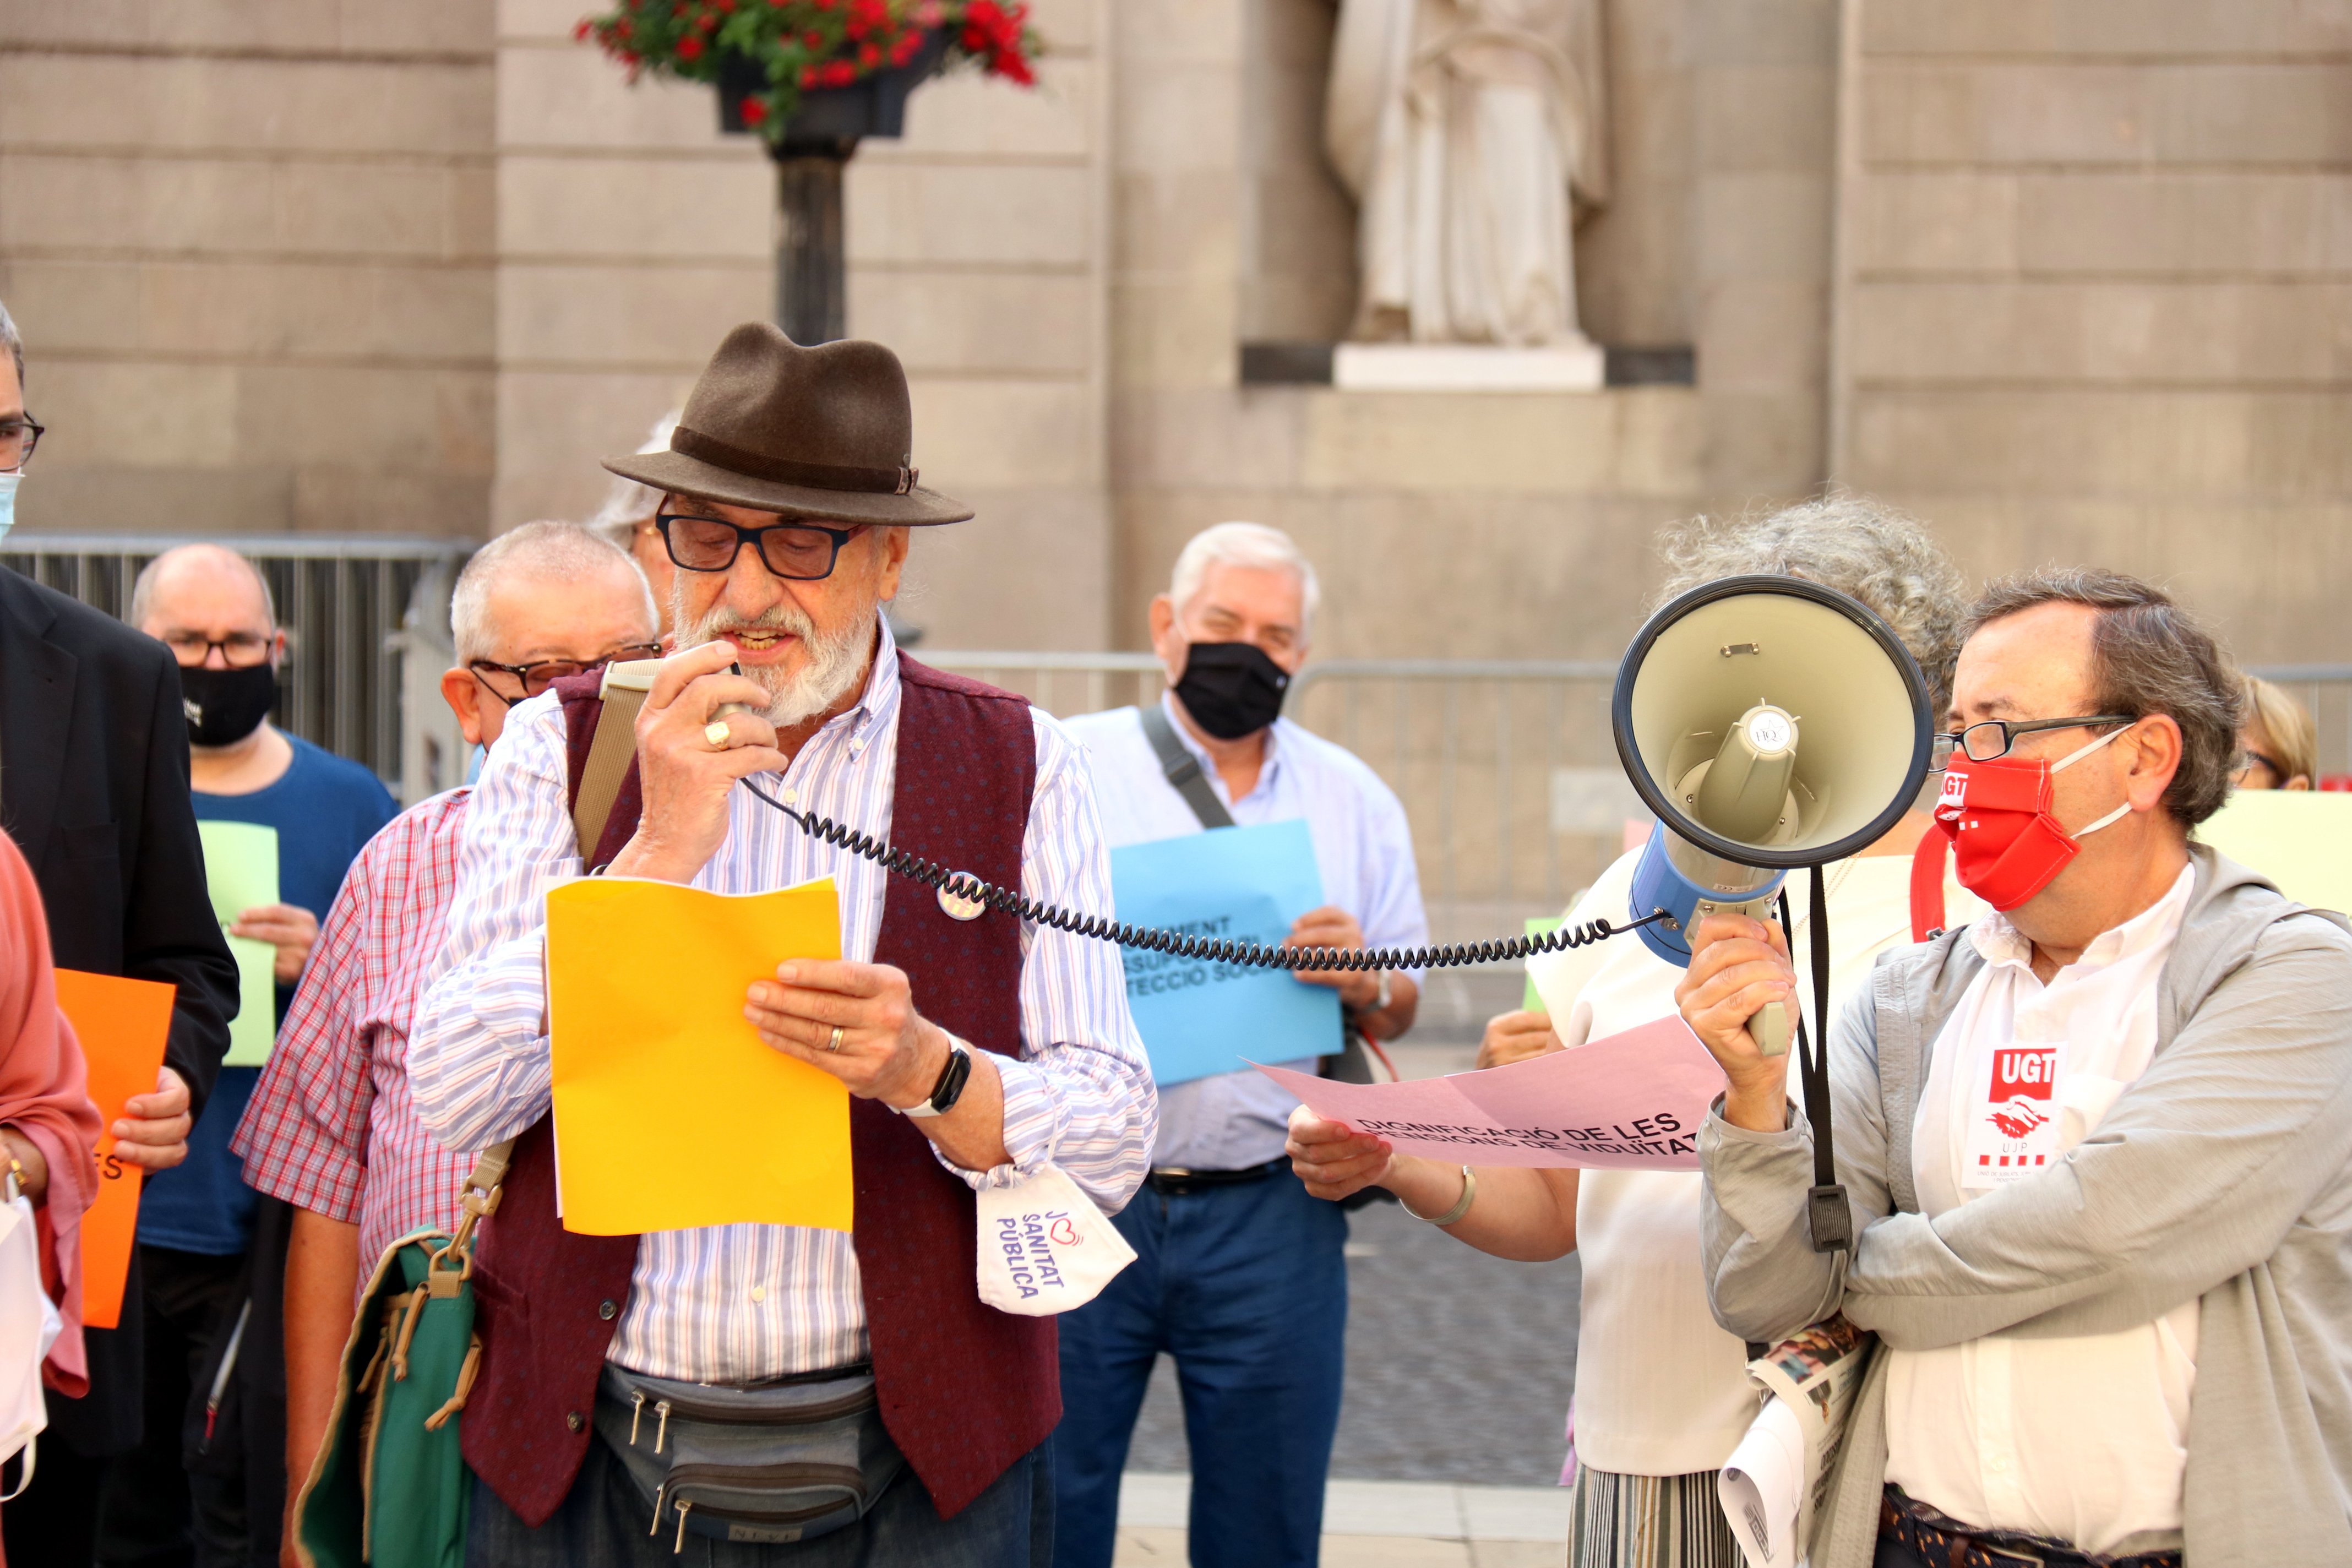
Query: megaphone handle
{"x": 1770, "y": 1028}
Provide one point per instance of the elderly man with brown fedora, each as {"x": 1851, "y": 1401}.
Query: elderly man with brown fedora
{"x": 774, "y": 1393}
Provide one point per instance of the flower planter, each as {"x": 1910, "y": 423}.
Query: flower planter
{"x": 830, "y": 120}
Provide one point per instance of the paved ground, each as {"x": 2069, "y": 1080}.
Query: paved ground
{"x": 1375, "y": 1524}
{"x": 1459, "y": 1365}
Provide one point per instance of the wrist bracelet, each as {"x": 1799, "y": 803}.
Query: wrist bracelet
{"x": 1461, "y": 1206}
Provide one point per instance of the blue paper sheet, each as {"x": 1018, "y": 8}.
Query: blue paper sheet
{"x": 1245, "y": 884}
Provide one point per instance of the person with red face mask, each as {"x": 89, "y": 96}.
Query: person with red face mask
{"x": 2096, "y": 1143}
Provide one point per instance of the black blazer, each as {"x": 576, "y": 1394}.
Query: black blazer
{"x": 94, "y": 790}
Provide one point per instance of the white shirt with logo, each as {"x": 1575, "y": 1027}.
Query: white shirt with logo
{"x": 2084, "y": 1439}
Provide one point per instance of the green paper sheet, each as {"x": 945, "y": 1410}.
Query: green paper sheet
{"x": 241, "y": 871}
{"x": 1537, "y": 925}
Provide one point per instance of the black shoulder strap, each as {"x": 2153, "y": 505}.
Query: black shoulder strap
{"x": 1183, "y": 769}
{"x": 1829, "y": 1217}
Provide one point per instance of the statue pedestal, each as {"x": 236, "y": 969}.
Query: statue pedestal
{"x": 1466, "y": 367}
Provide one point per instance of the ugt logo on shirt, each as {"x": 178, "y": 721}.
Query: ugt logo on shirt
{"x": 2024, "y": 1077}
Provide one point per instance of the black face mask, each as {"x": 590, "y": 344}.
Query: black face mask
{"x": 225, "y": 706}
{"x": 1231, "y": 689}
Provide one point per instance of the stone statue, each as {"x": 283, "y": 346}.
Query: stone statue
{"x": 1464, "y": 127}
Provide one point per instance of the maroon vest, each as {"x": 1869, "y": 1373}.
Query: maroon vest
{"x": 965, "y": 1390}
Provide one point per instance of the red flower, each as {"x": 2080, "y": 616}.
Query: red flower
{"x": 974, "y": 39}
{"x": 754, "y": 110}
{"x": 727, "y": 7}
{"x": 689, "y": 48}
{"x": 808, "y": 76}
{"x": 904, "y": 49}
{"x": 840, "y": 73}
{"x": 709, "y": 22}
{"x": 813, "y": 42}
{"x": 869, "y": 56}
{"x": 580, "y": 30}
{"x": 623, "y": 31}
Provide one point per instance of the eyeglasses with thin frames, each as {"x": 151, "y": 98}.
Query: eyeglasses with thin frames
{"x": 18, "y": 438}
{"x": 537, "y": 677}
{"x": 1992, "y": 738}
{"x": 798, "y": 551}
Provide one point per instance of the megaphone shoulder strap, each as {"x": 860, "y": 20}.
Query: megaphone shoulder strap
{"x": 1830, "y": 1216}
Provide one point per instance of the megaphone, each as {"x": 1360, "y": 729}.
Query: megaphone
{"x": 1770, "y": 723}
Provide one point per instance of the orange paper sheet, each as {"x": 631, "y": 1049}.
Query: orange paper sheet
{"x": 123, "y": 1026}
{"x": 670, "y": 1112}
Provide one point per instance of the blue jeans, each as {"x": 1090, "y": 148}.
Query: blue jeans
{"x": 602, "y": 1524}
{"x": 1245, "y": 1286}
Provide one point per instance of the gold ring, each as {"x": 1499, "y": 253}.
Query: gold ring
{"x": 835, "y": 1044}
{"x": 717, "y": 734}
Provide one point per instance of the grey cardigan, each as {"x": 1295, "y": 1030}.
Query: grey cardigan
{"x": 2221, "y": 1174}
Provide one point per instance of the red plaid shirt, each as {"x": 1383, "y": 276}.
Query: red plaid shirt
{"x": 330, "y": 1126}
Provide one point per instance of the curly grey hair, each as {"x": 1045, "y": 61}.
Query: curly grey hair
{"x": 1862, "y": 549}
{"x": 2147, "y": 656}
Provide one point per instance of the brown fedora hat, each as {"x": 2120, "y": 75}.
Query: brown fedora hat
{"x": 822, "y": 431}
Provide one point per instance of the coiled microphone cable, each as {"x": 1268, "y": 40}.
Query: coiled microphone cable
{"x": 1180, "y": 944}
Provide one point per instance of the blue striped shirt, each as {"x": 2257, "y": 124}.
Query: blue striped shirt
{"x": 741, "y": 1303}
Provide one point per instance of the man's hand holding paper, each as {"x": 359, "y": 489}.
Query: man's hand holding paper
{"x": 885, "y": 1050}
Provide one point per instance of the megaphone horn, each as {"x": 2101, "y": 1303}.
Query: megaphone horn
{"x": 1770, "y": 723}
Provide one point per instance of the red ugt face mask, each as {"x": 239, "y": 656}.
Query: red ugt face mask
{"x": 1996, "y": 816}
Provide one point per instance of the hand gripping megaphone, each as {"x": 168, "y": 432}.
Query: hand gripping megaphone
{"x": 1770, "y": 723}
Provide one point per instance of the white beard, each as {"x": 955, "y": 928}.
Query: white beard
{"x": 833, "y": 662}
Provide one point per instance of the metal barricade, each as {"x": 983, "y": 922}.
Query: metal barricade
{"x": 345, "y": 601}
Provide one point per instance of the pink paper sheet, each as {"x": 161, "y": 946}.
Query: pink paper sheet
{"x": 1630, "y": 1102}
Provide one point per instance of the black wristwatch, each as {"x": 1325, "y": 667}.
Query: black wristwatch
{"x": 949, "y": 1088}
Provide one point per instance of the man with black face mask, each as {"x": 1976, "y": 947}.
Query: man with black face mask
{"x": 198, "y": 1224}
{"x": 1239, "y": 1274}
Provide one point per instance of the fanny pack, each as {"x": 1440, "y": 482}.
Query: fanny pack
{"x": 785, "y": 1461}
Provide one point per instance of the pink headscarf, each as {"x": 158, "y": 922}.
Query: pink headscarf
{"x": 45, "y": 1095}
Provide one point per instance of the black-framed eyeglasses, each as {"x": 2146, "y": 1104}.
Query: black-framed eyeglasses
{"x": 2248, "y": 759}
{"x": 537, "y": 677}
{"x": 238, "y": 650}
{"x": 17, "y": 439}
{"x": 1992, "y": 738}
{"x": 801, "y": 551}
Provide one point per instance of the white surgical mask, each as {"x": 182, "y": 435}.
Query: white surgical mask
{"x": 8, "y": 483}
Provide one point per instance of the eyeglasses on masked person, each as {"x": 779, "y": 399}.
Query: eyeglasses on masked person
{"x": 17, "y": 439}
{"x": 535, "y": 678}
{"x": 1992, "y": 739}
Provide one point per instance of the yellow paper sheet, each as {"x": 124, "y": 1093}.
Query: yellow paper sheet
{"x": 669, "y": 1111}
{"x": 2300, "y": 840}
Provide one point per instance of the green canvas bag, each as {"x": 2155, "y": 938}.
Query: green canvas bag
{"x": 389, "y": 1489}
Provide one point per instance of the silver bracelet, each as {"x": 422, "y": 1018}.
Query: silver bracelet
{"x": 1461, "y": 1206}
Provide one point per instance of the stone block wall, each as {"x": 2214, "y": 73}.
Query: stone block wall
{"x": 250, "y": 247}
{"x": 2093, "y": 284}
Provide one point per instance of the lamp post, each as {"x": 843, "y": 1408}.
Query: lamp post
{"x": 810, "y": 155}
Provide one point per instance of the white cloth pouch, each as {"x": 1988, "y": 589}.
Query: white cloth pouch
{"x": 1045, "y": 1247}
{"x": 29, "y": 1324}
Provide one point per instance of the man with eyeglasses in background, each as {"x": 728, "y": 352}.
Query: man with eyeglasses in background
{"x": 94, "y": 790}
{"x": 330, "y": 1129}
{"x": 2096, "y": 1145}
{"x": 206, "y": 1476}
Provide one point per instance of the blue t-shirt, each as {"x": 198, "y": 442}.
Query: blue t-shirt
{"x": 325, "y": 809}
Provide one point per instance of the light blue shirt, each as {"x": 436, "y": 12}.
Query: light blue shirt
{"x": 1363, "y": 848}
